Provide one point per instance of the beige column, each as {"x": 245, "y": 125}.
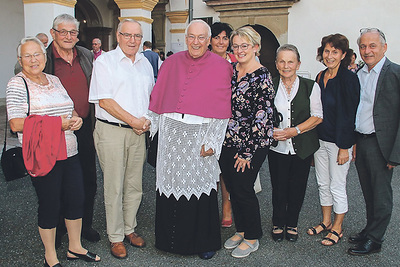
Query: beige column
{"x": 178, "y": 21}
{"x": 39, "y": 14}
{"x": 139, "y": 10}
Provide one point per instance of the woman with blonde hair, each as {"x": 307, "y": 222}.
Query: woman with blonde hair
{"x": 247, "y": 139}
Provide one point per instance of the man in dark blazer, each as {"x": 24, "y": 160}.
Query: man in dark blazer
{"x": 378, "y": 144}
{"x": 153, "y": 57}
{"x": 73, "y": 65}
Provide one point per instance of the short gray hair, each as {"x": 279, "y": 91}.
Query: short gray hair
{"x": 288, "y": 47}
{"x": 199, "y": 21}
{"x": 97, "y": 39}
{"x": 41, "y": 35}
{"x": 363, "y": 31}
{"x": 30, "y": 39}
{"x": 65, "y": 18}
{"x": 128, "y": 20}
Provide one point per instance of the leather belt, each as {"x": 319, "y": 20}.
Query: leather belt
{"x": 363, "y": 136}
{"x": 115, "y": 124}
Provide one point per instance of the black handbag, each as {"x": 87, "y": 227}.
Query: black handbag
{"x": 12, "y": 161}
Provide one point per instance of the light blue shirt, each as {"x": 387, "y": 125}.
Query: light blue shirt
{"x": 368, "y": 82}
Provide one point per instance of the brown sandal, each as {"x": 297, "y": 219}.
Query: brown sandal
{"x": 324, "y": 228}
{"x": 333, "y": 242}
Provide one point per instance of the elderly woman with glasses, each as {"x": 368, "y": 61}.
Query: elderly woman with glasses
{"x": 58, "y": 182}
{"x": 247, "y": 139}
{"x": 340, "y": 95}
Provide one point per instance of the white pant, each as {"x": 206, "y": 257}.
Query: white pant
{"x": 331, "y": 177}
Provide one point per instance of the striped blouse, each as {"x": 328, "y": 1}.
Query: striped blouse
{"x": 51, "y": 100}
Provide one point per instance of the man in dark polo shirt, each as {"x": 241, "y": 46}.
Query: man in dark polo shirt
{"x": 73, "y": 66}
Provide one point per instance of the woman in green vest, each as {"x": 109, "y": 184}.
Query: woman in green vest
{"x": 299, "y": 101}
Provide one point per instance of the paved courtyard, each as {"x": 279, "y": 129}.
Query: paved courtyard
{"x": 20, "y": 244}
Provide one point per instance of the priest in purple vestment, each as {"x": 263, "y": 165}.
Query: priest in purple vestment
{"x": 189, "y": 108}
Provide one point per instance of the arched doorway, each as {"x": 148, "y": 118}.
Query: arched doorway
{"x": 91, "y": 24}
{"x": 269, "y": 45}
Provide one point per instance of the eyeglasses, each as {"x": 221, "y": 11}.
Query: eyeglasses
{"x": 65, "y": 32}
{"x": 201, "y": 38}
{"x": 128, "y": 36}
{"x": 244, "y": 47}
{"x": 29, "y": 56}
{"x": 365, "y": 30}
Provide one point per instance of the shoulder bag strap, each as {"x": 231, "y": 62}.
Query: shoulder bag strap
{"x": 27, "y": 114}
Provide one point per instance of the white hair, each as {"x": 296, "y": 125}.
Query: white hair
{"x": 199, "y": 21}
{"x": 30, "y": 39}
{"x": 128, "y": 20}
{"x": 65, "y": 18}
{"x": 363, "y": 31}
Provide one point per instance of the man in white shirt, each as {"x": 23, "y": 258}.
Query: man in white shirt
{"x": 121, "y": 84}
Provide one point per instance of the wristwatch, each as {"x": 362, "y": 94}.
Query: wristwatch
{"x": 298, "y": 130}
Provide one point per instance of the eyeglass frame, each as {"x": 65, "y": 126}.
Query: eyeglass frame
{"x": 29, "y": 56}
{"x": 200, "y": 38}
{"x": 128, "y": 36}
{"x": 65, "y": 32}
{"x": 236, "y": 47}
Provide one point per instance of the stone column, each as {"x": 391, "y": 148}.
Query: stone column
{"x": 139, "y": 10}
{"x": 39, "y": 14}
{"x": 178, "y": 20}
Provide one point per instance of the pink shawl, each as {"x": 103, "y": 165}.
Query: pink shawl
{"x": 200, "y": 86}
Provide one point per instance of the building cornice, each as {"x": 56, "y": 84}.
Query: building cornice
{"x": 137, "y": 18}
{"x": 136, "y": 4}
{"x": 237, "y": 5}
{"x": 177, "y": 16}
{"x": 68, "y": 3}
{"x": 177, "y": 31}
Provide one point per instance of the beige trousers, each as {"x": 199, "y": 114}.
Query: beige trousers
{"x": 121, "y": 153}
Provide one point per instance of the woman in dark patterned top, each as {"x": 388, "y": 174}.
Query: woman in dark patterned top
{"x": 247, "y": 139}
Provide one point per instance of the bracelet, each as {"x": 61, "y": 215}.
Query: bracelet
{"x": 298, "y": 130}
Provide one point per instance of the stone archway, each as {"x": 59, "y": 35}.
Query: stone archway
{"x": 269, "y": 45}
{"x": 91, "y": 24}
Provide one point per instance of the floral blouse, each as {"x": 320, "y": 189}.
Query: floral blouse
{"x": 250, "y": 126}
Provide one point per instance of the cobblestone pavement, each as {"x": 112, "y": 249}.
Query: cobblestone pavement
{"x": 20, "y": 244}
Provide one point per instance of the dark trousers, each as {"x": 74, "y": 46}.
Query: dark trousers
{"x": 61, "y": 187}
{"x": 289, "y": 176}
{"x": 87, "y": 157}
{"x": 240, "y": 185}
{"x": 375, "y": 180}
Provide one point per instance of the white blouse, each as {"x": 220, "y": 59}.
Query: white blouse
{"x": 283, "y": 103}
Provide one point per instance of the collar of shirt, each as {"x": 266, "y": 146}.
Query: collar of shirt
{"x": 121, "y": 55}
{"x": 378, "y": 67}
{"x": 57, "y": 55}
{"x": 293, "y": 90}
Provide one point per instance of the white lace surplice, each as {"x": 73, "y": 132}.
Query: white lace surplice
{"x": 181, "y": 171}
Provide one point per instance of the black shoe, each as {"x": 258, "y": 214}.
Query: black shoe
{"x": 291, "y": 237}
{"x": 207, "y": 255}
{"x": 364, "y": 248}
{"x": 88, "y": 257}
{"x": 357, "y": 238}
{"x": 277, "y": 237}
{"x": 90, "y": 234}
